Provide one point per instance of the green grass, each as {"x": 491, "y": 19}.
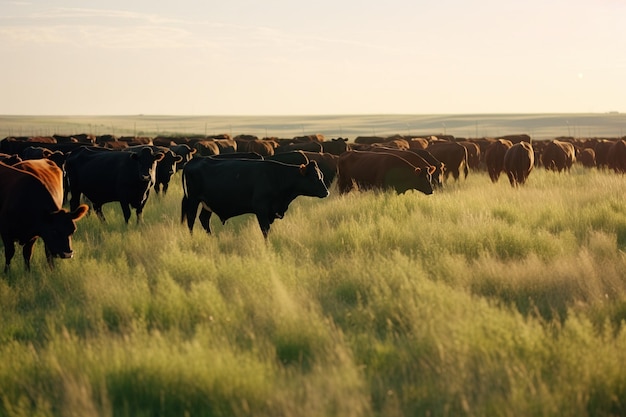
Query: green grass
{"x": 481, "y": 300}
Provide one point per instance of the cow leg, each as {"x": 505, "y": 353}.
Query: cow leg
{"x": 139, "y": 213}
{"x": 49, "y": 257}
{"x": 98, "y": 209}
{"x": 189, "y": 211}
{"x": 205, "y": 217}
{"x": 344, "y": 184}
{"x": 74, "y": 199}
{"x": 264, "y": 224}
{"x": 165, "y": 186}
{"x": 126, "y": 211}
{"x": 27, "y": 252}
{"x": 9, "y": 251}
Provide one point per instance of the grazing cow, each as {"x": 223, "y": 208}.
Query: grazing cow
{"x": 437, "y": 175}
{"x": 587, "y": 157}
{"x": 232, "y": 187}
{"x": 300, "y": 146}
{"x": 453, "y": 155}
{"x": 494, "y": 158}
{"x": 519, "y": 161}
{"x": 226, "y": 145}
{"x": 291, "y": 158}
{"x": 380, "y": 170}
{"x": 558, "y": 155}
{"x": 185, "y": 152}
{"x": 327, "y": 162}
{"x": 414, "y": 159}
{"x": 616, "y": 159}
{"x": 207, "y": 147}
{"x": 335, "y": 146}
{"x": 165, "y": 168}
{"x": 236, "y": 155}
{"x": 394, "y": 143}
{"x": 105, "y": 176}
{"x": 10, "y": 159}
{"x": 418, "y": 143}
{"x": 35, "y": 152}
{"x": 30, "y": 207}
{"x": 603, "y": 149}
{"x": 262, "y": 147}
{"x": 473, "y": 154}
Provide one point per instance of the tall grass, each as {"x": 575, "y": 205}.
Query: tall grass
{"x": 477, "y": 300}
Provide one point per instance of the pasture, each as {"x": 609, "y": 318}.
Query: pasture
{"x": 478, "y": 300}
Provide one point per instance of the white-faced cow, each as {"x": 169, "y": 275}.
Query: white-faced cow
{"x": 30, "y": 207}
{"x": 105, "y": 176}
{"x": 232, "y": 187}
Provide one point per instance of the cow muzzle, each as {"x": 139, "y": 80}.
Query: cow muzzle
{"x": 65, "y": 255}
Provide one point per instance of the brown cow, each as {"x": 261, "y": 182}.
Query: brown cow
{"x": 602, "y": 151}
{"x": 394, "y": 143}
{"x": 207, "y": 147}
{"x": 414, "y": 159}
{"x": 587, "y": 157}
{"x": 453, "y": 155}
{"x": 494, "y": 158}
{"x": 558, "y": 156}
{"x": 373, "y": 170}
{"x": 418, "y": 143}
{"x": 617, "y": 157}
{"x": 327, "y": 163}
{"x": 30, "y": 207}
{"x": 519, "y": 161}
{"x": 262, "y": 147}
{"x": 473, "y": 154}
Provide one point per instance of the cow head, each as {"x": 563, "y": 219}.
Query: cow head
{"x": 414, "y": 179}
{"x": 313, "y": 185}
{"x": 146, "y": 164}
{"x": 57, "y": 230}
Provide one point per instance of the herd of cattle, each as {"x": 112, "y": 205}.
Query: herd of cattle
{"x": 233, "y": 176}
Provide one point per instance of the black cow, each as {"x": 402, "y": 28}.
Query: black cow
{"x": 185, "y": 152}
{"x": 231, "y": 188}
{"x": 335, "y": 146}
{"x": 30, "y": 207}
{"x": 165, "y": 168}
{"x": 104, "y": 176}
{"x": 291, "y": 158}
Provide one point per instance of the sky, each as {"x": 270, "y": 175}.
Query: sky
{"x": 286, "y": 57}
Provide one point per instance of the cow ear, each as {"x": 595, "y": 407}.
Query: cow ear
{"x": 302, "y": 169}
{"x": 178, "y": 158}
{"x": 133, "y": 155}
{"x": 432, "y": 169}
{"x": 158, "y": 156}
{"x": 80, "y": 212}
{"x": 418, "y": 170}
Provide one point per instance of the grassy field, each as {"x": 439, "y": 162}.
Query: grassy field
{"x": 480, "y": 300}
{"x": 538, "y": 126}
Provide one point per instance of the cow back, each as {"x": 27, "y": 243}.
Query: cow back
{"x": 50, "y": 175}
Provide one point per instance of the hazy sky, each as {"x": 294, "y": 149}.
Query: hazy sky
{"x": 284, "y": 57}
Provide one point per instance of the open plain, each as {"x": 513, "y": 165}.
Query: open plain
{"x": 478, "y": 300}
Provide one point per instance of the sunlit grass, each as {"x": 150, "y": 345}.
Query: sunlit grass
{"x": 480, "y": 299}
